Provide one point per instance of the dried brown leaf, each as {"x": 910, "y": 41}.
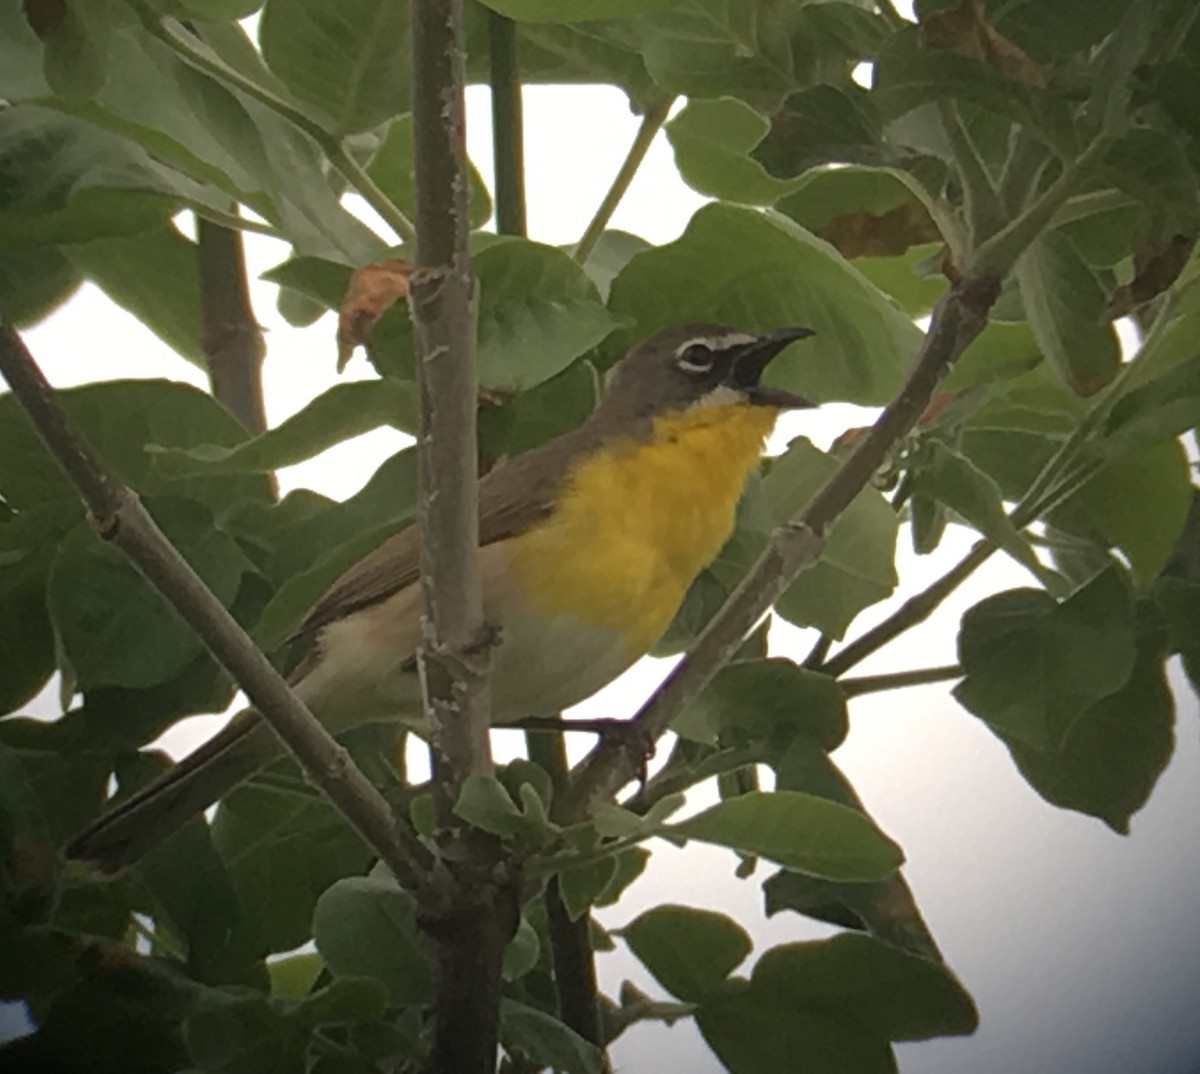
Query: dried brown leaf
{"x": 372, "y": 290}
{"x": 965, "y": 30}
{"x": 866, "y": 234}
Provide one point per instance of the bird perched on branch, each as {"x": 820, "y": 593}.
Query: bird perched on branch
{"x": 588, "y": 544}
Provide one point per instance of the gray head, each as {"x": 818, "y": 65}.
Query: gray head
{"x": 698, "y": 364}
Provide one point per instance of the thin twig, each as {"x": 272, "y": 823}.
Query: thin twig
{"x": 507, "y": 125}
{"x": 873, "y": 684}
{"x": 652, "y": 121}
{"x": 117, "y": 514}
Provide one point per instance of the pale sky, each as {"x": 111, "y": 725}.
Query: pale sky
{"x": 1081, "y": 948}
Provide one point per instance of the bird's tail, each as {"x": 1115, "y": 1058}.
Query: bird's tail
{"x": 121, "y": 836}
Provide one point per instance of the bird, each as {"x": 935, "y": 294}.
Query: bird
{"x": 588, "y": 545}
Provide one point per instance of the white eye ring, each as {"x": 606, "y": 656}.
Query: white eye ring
{"x": 695, "y": 356}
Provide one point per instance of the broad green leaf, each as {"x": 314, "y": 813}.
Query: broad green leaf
{"x": 523, "y": 951}
{"x": 365, "y": 926}
{"x": 278, "y": 881}
{"x": 857, "y": 566}
{"x": 114, "y": 628}
{"x": 1113, "y": 752}
{"x": 1034, "y": 665}
{"x": 824, "y": 125}
{"x": 312, "y": 550}
{"x": 237, "y": 1033}
{"x": 21, "y": 75}
{"x": 342, "y": 412}
{"x": 690, "y": 952}
{"x": 153, "y": 275}
{"x": 576, "y": 11}
{"x": 828, "y": 193}
{"x": 119, "y": 418}
{"x": 761, "y": 699}
{"x": 391, "y": 169}
{"x": 908, "y": 75}
{"x": 293, "y": 977}
{"x": 1137, "y": 503}
{"x": 484, "y": 803}
{"x": 34, "y": 281}
{"x": 999, "y": 353}
{"x": 1152, "y": 167}
{"x": 612, "y": 252}
{"x": 536, "y": 415}
{"x": 1156, "y": 410}
{"x": 27, "y": 546}
{"x": 538, "y": 311}
{"x": 712, "y": 142}
{"x": 66, "y": 180}
{"x": 547, "y": 1041}
{"x": 350, "y": 59}
{"x": 185, "y": 118}
{"x": 725, "y": 48}
{"x": 1179, "y": 601}
{"x": 580, "y": 887}
{"x": 1066, "y": 303}
{"x": 953, "y": 480}
{"x": 899, "y": 996}
{"x": 76, "y": 50}
{"x": 809, "y": 834}
{"x": 756, "y": 271}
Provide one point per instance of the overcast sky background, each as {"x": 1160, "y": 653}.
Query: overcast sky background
{"x": 1082, "y": 948}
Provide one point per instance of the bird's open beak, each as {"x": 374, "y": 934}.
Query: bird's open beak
{"x": 753, "y": 359}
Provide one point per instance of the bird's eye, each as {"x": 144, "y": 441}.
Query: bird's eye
{"x": 695, "y": 358}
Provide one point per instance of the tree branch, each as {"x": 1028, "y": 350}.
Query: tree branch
{"x": 117, "y": 515}
{"x": 874, "y": 684}
{"x": 507, "y": 125}
{"x": 471, "y": 936}
{"x": 230, "y": 336}
{"x": 958, "y": 318}
{"x": 652, "y": 122}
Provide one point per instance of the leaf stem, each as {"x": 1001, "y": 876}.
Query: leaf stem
{"x": 185, "y": 45}
{"x": 872, "y": 684}
{"x": 652, "y": 122}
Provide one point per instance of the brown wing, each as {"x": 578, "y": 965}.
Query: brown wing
{"x": 512, "y": 498}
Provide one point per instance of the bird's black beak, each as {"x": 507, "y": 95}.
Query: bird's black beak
{"x": 752, "y": 360}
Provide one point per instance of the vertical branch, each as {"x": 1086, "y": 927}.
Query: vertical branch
{"x": 471, "y": 936}
{"x": 508, "y": 138}
{"x": 441, "y": 296}
{"x": 230, "y": 336}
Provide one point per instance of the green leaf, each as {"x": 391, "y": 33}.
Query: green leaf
{"x": 342, "y": 412}
{"x": 809, "y": 834}
{"x": 857, "y": 566}
{"x": 755, "y": 699}
{"x": 365, "y": 926}
{"x": 712, "y": 142}
{"x": 240, "y": 1032}
{"x": 114, "y": 627}
{"x": 153, "y": 275}
{"x": 899, "y": 996}
{"x": 484, "y": 803}
{"x": 293, "y": 977}
{"x": 689, "y": 952}
{"x": 34, "y": 282}
{"x": 1114, "y": 751}
{"x": 538, "y": 311}
{"x": 119, "y": 418}
{"x": 999, "y": 353}
{"x": 190, "y": 121}
{"x": 1033, "y": 665}
{"x": 391, "y": 169}
{"x": 1066, "y": 305}
{"x": 577, "y": 11}
{"x": 953, "y": 480}
{"x": 1156, "y": 410}
{"x": 523, "y": 951}
{"x": 76, "y": 50}
{"x": 21, "y": 75}
{"x": 278, "y": 881}
{"x": 546, "y": 1041}
{"x": 759, "y": 270}
{"x": 908, "y": 74}
{"x": 1138, "y": 503}
{"x": 725, "y": 48}
{"x": 580, "y": 887}
{"x": 351, "y": 60}
{"x": 824, "y": 125}
{"x": 66, "y": 180}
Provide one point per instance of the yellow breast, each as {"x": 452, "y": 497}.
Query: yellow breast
{"x": 637, "y": 521}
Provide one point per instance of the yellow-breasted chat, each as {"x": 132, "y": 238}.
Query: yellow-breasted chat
{"x": 588, "y": 544}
